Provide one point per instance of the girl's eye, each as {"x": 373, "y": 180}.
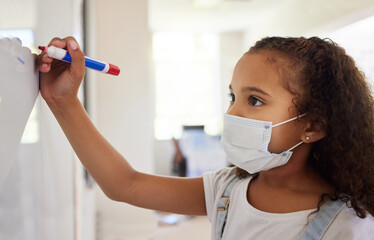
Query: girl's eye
{"x": 255, "y": 102}
{"x": 232, "y": 97}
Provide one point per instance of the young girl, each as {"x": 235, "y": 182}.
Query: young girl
{"x": 299, "y": 126}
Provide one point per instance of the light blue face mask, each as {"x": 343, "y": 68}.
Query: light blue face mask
{"x": 245, "y": 142}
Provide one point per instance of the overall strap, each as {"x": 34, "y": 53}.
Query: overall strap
{"x": 222, "y": 207}
{"x": 323, "y": 219}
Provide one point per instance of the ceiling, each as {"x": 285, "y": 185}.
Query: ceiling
{"x": 227, "y": 15}
{"x": 255, "y": 15}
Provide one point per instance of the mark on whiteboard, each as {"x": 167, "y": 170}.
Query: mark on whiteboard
{"x": 19, "y": 59}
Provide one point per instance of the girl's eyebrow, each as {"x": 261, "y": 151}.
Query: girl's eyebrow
{"x": 254, "y": 89}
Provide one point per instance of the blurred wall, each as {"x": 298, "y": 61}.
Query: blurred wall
{"x": 123, "y": 105}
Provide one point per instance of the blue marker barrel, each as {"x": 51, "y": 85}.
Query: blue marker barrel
{"x": 94, "y": 64}
{"x": 66, "y": 58}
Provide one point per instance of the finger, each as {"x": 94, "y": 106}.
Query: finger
{"x": 42, "y": 58}
{"x": 77, "y": 68}
{"x": 36, "y": 60}
{"x": 44, "y": 67}
{"x": 61, "y": 42}
{"x": 58, "y": 42}
{"x": 46, "y": 59}
{"x": 39, "y": 61}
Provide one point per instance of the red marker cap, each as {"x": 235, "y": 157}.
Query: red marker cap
{"x": 113, "y": 69}
{"x": 42, "y": 48}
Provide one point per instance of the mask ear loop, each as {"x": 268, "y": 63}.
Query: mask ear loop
{"x": 289, "y": 120}
{"x": 301, "y": 142}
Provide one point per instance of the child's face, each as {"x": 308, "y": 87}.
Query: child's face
{"x": 258, "y": 93}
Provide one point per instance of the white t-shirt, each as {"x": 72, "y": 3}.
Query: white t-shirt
{"x": 247, "y": 222}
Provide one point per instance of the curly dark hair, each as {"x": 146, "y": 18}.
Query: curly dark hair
{"x": 336, "y": 96}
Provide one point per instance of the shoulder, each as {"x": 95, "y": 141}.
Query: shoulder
{"x": 214, "y": 186}
{"x": 223, "y": 173}
{"x": 348, "y": 225}
{"x": 216, "y": 180}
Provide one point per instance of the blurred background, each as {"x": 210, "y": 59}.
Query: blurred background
{"x": 163, "y": 112}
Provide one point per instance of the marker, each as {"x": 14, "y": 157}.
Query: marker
{"x": 63, "y": 55}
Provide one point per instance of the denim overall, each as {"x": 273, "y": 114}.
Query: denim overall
{"x": 314, "y": 231}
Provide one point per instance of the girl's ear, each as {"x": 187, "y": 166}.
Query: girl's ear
{"x": 314, "y": 131}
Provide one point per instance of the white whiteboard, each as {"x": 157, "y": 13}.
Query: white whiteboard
{"x": 19, "y": 88}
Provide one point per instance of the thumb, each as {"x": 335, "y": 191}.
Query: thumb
{"x": 77, "y": 68}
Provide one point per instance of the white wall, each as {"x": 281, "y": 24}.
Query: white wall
{"x": 163, "y": 156}
{"x": 232, "y": 48}
{"x": 124, "y": 106}
{"x": 124, "y": 103}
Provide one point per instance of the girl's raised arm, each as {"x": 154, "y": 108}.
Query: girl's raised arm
{"x": 59, "y": 84}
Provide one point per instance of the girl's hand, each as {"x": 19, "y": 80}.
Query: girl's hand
{"x": 60, "y": 81}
